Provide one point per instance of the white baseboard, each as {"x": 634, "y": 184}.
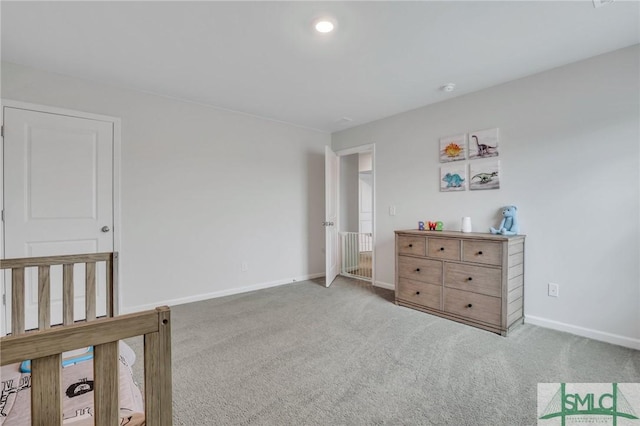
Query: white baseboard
{"x": 221, "y": 293}
{"x": 382, "y": 284}
{"x": 602, "y": 336}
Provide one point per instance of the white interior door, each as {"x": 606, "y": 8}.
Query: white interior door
{"x": 58, "y": 198}
{"x": 331, "y": 215}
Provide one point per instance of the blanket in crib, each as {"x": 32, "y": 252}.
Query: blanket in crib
{"x": 77, "y": 394}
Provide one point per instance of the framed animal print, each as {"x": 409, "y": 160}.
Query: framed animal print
{"x": 453, "y": 178}
{"x": 453, "y": 148}
{"x": 484, "y": 175}
{"x": 483, "y": 144}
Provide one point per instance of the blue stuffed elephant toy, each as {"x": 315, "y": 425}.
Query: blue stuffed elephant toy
{"x": 509, "y": 224}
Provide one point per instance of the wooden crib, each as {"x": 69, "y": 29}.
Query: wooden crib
{"x": 45, "y": 345}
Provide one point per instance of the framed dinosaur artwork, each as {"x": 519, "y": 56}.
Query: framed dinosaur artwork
{"x": 453, "y": 148}
{"x": 453, "y": 178}
{"x": 484, "y": 175}
{"x": 483, "y": 144}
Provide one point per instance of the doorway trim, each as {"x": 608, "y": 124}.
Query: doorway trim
{"x": 362, "y": 149}
{"x": 116, "y": 202}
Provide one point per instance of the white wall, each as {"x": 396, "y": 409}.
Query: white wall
{"x": 203, "y": 190}
{"x": 349, "y": 210}
{"x": 365, "y": 160}
{"x": 569, "y": 153}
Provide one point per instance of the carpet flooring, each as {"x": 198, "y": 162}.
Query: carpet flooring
{"x": 302, "y": 354}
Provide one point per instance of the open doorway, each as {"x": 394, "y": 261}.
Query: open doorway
{"x": 356, "y": 229}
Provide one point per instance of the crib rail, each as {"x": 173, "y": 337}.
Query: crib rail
{"x": 356, "y": 249}
{"x": 43, "y": 264}
{"x": 45, "y": 349}
{"x": 45, "y": 346}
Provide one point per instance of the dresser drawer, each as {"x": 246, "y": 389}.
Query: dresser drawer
{"x": 473, "y": 306}
{"x": 420, "y": 293}
{"x": 482, "y": 252}
{"x": 425, "y": 270}
{"x": 443, "y": 248}
{"x": 412, "y": 245}
{"x": 479, "y": 279}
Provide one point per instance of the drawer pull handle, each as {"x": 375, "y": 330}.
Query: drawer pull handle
{"x": 410, "y": 245}
{"x": 441, "y": 248}
{"x": 479, "y": 253}
{"x": 418, "y": 270}
{"x": 470, "y": 279}
{"x": 417, "y": 293}
{"x": 469, "y": 305}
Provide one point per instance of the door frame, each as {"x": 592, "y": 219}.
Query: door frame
{"x": 117, "y": 157}
{"x": 361, "y": 149}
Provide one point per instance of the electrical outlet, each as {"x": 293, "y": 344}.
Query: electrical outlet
{"x": 244, "y": 266}
{"x": 392, "y": 210}
{"x": 554, "y": 290}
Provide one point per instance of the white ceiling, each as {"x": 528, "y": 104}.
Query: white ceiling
{"x": 264, "y": 58}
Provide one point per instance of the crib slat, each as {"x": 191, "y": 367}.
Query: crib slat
{"x": 113, "y": 298}
{"x": 157, "y": 367}
{"x": 90, "y": 291}
{"x": 110, "y": 274}
{"x": 67, "y": 293}
{"x": 105, "y": 384}
{"x": 46, "y": 382}
{"x": 17, "y": 301}
{"x": 44, "y": 297}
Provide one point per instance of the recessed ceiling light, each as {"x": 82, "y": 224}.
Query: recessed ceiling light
{"x": 324, "y": 26}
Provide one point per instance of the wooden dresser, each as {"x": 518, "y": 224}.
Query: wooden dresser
{"x": 473, "y": 278}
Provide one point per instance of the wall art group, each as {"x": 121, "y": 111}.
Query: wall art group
{"x": 479, "y": 145}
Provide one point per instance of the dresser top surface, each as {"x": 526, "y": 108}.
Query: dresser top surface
{"x": 458, "y": 234}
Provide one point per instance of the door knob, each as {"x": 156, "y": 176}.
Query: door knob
{"x": 105, "y": 229}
